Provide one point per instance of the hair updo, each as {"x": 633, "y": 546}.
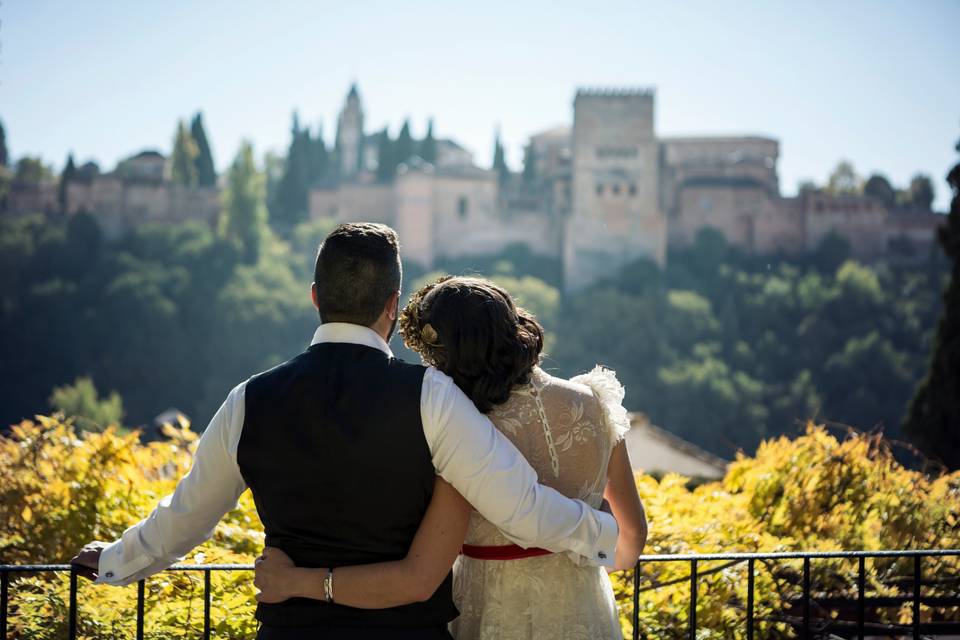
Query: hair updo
{"x": 470, "y": 329}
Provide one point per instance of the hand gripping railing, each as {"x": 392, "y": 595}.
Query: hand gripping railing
{"x": 695, "y": 561}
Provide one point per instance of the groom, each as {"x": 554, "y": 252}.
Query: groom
{"x": 340, "y": 447}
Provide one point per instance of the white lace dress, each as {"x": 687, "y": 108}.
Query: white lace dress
{"x": 566, "y": 430}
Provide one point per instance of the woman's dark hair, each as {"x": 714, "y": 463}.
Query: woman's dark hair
{"x": 470, "y": 329}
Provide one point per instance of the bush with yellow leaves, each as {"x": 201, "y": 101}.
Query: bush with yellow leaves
{"x": 816, "y": 492}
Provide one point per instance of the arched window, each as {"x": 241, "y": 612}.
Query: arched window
{"x": 462, "y": 207}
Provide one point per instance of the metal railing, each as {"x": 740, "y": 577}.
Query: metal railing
{"x": 803, "y": 624}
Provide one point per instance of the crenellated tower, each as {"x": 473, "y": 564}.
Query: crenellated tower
{"x": 615, "y": 215}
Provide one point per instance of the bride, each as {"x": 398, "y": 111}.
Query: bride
{"x": 571, "y": 432}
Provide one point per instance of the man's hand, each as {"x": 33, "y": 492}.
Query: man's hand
{"x": 87, "y": 562}
{"x": 275, "y": 576}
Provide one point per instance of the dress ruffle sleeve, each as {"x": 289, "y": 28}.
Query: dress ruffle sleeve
{"x": 609, "y": 392}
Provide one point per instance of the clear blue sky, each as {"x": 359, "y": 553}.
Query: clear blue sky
{"x": 876, "y": 82}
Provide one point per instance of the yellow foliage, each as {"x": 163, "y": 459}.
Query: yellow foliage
{"x": 816, "y": 492}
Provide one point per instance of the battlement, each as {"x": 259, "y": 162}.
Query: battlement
{"x": 616, "y": 92}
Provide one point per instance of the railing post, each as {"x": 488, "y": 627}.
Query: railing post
{"x": 72, "y": 629}
{"x": 750, "y": 569}
{"x": 917, "y": 578}
{"x": 4, "y": 592}
{"x": 636, "y": 601}
{"x": 861, "y": 603}
{"x": 806, "y": 598}
{"x": 693, "y": 599}
{"x": 206, "y": 604}
{"x": 141, "y": 597}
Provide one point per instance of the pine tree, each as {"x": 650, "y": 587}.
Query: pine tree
{"x": 386, "y": 160}
{"x": 921, "y": 191}
{"x": 4, "y": 157}
{"x": 243, "y": 217}
{"x": 499, "y": 161}
{"x": 428, "y": 147}
{"x": 206, "y": 172}
{"x": 933, "y": 421}
{"x": 403, "y": 148}
{"x": 183, "y": 168}
{"x": 69, "y": 173}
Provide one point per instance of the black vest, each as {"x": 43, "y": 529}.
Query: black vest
{"x": 333, "y": 450}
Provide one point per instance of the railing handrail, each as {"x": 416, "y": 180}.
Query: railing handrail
{"x": 663, "y": 557}
{"x": 751, "y": 558}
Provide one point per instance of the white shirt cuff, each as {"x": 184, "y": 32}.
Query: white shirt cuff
{"x": 116, "y": 569}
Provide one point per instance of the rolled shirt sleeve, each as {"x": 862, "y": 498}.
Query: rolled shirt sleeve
{"x": 494, "y": 477}
{"x": 188, "y": 517}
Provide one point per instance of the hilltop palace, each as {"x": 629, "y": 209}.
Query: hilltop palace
{"x": 602, "y": 192}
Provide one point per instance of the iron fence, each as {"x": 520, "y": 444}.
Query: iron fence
{"x": 803, "y": 624}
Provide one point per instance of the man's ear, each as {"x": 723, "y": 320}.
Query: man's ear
{"x": 313, "y": 295}
{"x": 393, "y": 306}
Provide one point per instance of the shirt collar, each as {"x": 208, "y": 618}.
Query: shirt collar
{"x": 351, "y": 334}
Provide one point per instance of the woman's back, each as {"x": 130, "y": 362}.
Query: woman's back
{"x": 566, "y": 430}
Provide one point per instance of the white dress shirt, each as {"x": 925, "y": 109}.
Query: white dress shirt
{"x": 466, "y": 449}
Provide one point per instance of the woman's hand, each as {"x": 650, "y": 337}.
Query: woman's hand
{"x": 275, "y": 576}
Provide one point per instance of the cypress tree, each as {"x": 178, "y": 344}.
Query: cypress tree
{"x": 403, "y": 148}
{"x": 933, "y": 421}
{"x": 243, "y": 217}
{"x": 499, "y": 161}
{"x": 386, "y": 162}
{"x": 183, "y": 168}
{"x": 529, "y": 164}
{"x": 69, "y": 173}
{"x": 206, "y": 173}
{"x": 428, "y": 147}
{"x": 291, "y": 197}
{"x": 4, "y": 156}
{"x": 318, "y": 159}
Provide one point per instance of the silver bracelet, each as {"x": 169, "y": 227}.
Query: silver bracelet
{"x": 328, "y": 585}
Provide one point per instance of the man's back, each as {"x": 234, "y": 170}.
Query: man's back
{"x": 334, "y": 452}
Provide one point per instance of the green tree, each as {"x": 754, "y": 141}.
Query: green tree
{"x": 290, "y": 206}
{"x": 499, "y": 161}
{"x": 428, "y": 146}
{"x": 386, "y": 159}
{"x": 318, "y": 159}
{"x": 81, "y": 401}
{"x": 831, "y": 252}
{"x": 921, "y": 191}
{"x": 843, "y": 180}
{"x": 529, "y": 164}
{"x": 69, "y": 174}
{"x": 877, "y": 186}
{"x": 244, "y": 216}
{"x": 935, "y": 410}
{"x": 403, "y": 147}
{"x": 183, "y": 167}
{"x": 4, "y": 154}
{"x": 206, "y": 172}
{"x": 32, "y": 170}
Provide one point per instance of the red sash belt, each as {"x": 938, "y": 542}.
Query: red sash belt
{"x": 505, "y": 552}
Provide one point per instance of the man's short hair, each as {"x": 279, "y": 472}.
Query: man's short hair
{"x": 357, "y": 270}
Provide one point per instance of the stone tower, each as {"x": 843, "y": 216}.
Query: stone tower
{"x": 615, "y": 216}
{"x": 349, "y": 141}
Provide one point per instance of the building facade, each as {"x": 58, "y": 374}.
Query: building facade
{"x": 607, "y": 191}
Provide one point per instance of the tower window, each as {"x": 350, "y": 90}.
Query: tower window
{"x": 616, "y": 189}
{"x": 599, "y": 189}
{"x": 462, "y": 207}
{"x": 633, "y": 189}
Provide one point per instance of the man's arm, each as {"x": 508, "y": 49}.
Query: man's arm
{"x": 493, "y": 476}
{"x": 188, "y": 517}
